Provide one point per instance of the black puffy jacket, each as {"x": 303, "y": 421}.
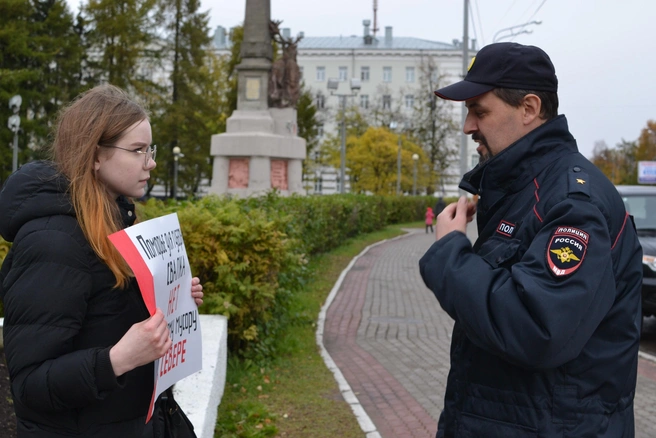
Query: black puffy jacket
{"x": 546, "y": 303}
{"x": 62, "y": 316}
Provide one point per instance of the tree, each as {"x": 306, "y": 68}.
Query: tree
{"x": 372, "y": 162}
{"x": 356, "y": 126}
{"x": 121, "y": 36}
{"x": 308, "y": 126}
{"x": 307, "y": 119}
{"x": 433, "y": 125}
{"x": 646, "y": 148}
{"x": 40, "y": 57}
{"x": 188, "y": 115}
{"x": 383, "y": 109}
{"x": 618, "y": 164}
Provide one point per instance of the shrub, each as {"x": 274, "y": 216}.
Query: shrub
{"x": 251, "y": 253}
{"x": 325, "y": 222}
{"x": 248, "y": 265}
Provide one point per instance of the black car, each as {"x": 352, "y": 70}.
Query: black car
{"x": 640, "y": 202}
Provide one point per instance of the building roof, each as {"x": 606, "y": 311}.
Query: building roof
{"x": 357, "y": 42}
{"x": 222, "y": 42}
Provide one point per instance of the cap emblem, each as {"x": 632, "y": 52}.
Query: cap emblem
{"x": 471, "y": 63}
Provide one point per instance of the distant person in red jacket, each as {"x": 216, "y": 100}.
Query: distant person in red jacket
{"x": 430, "y": 216}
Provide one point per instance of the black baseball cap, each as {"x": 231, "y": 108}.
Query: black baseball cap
{"x": 504, "y": 65}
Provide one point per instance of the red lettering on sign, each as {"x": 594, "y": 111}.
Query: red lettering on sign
{"x": 173, "y": 357}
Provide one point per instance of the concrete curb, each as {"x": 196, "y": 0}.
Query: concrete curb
{"x": 647, "y": 356}
{"x": 367, "y": 426}
{"x": 200, "y": 394}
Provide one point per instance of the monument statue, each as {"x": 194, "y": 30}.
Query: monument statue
{"x": 285, "y": 77}
{"x": 260, "y": 150}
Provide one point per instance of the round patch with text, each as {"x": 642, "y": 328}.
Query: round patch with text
{"x": 566, "y": 250}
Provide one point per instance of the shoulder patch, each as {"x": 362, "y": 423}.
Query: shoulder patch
{"x": 505, "y": 228}
{"x": 566, "y": 250}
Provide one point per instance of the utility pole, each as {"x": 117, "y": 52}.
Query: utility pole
{"x": 465, "y": 64}
{"x": 398, "y": 167}
{"x": 342, "y": 149}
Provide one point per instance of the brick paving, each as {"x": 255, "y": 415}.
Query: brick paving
{"x": 390, "y": 338}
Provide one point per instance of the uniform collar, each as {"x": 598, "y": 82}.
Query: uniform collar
{"x": 518, "y": 164}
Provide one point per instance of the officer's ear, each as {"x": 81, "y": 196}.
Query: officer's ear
{"x": 532, "y": 107}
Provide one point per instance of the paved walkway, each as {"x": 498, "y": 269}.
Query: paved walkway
{"x": 390, "y": 338}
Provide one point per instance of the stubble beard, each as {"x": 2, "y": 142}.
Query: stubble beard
{"x": 486, "y": 154}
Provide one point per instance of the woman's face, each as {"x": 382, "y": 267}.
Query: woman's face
{"x": 121, "y": 168}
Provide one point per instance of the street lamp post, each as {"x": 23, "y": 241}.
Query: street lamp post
{"x": 177, "y": 154}
{"x": 393, "y": 126}
{"x": 333, "y": 84}
{"x": 14, "y": 124}
{"x": 415, "y": 157}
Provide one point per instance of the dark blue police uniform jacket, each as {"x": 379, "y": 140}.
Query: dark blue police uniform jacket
{"x": 546, "y": 303}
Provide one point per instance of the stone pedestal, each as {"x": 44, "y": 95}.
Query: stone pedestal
{"x": 256, "y": 142}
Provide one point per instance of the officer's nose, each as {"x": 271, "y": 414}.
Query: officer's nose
{"x": 470, "y": 125}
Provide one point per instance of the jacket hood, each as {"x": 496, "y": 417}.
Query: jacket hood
{"x": 36, "y": 190}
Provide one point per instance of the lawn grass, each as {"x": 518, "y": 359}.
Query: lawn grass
{"x": 295, "y": 395}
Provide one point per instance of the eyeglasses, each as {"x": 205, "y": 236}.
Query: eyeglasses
{"x": 150, "y": 152}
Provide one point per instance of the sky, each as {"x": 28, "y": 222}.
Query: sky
{"x": 603, "y": 50}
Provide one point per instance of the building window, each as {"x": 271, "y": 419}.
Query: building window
{"x": 387, "y": 74}
{"x": 409, "y": 74}
{"x": 387, "y": 102}
{"x": 364, "y": 101}
{"x": 475, "y": 159}
{"x": 364, "y": 74}
{"x": 318, "y": 183}
{"x": 320, "y": 130}
{"x": 321, "y": 74}
{"x": 321, "y": 101}
{"x": 434, "y": 75}
{"x": 343, "y": 74}
{"x": 409, "y": 101}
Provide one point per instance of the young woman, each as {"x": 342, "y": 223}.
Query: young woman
{"x": 79, "y": 341}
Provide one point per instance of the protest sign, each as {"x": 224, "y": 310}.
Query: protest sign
{"x": 156, "y": 253}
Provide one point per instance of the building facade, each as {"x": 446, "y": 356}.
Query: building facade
{"x": 386, "y": 78}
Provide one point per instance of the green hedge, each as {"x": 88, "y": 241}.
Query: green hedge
{"x": 325, "y": 222}
{"x": 251, "y": 254}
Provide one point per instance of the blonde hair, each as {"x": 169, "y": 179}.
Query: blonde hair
{"x": 100, "y": 116}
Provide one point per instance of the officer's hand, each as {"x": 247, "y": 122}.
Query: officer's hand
{"x": 455, "y": 217}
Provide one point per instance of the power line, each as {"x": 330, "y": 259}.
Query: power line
{"x": 526, "y": 12}
{"x": 508, "y": 10}
{"x": 537, "y": 10}
{"x": 480, "y": 24}
{"x": 471, "y": 15}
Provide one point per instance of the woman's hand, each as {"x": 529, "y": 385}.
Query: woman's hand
{"x": 197, "y": 291}
{"x": 143, "y": 343}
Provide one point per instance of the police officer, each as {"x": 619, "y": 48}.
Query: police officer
{"x": 547, "y": 302}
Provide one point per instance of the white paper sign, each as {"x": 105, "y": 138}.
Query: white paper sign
{"x": 155, "y": 252}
